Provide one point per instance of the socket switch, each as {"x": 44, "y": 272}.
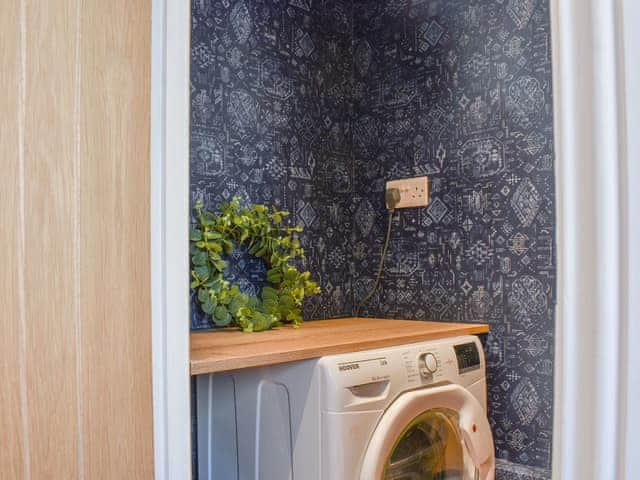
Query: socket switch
{"x": 414, "y": 192}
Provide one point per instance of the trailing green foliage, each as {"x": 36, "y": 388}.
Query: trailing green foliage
{"x": 262, "y": 229}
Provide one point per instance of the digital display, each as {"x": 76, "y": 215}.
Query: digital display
{"x": 468, "y": 357}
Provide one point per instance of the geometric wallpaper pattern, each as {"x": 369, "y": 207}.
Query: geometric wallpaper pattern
{"x": 461, "y": 91}
{"x": 270, "y": 122}
{"x": 312, "y": 105}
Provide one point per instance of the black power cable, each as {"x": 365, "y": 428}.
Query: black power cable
{"x": 392, "y": 197}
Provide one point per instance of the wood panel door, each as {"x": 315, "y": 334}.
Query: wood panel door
{"x": 75, "y": 340}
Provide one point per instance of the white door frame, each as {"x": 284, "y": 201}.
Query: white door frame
{"x": 171, "y": 34}
{"x": 597, "y": 93}
{"x": 630, "y": 462}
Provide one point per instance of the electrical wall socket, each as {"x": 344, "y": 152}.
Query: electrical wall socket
{"x": 414, "y": 192}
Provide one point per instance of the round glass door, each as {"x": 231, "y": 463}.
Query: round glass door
{"x": 429, "y": 448}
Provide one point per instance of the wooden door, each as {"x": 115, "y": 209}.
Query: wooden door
{"x": 75, "y": 328}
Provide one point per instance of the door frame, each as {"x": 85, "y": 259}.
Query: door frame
{"x": 170, "y": 79}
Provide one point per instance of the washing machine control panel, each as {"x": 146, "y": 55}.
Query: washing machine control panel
{"x": 424, "y": 366}
{"x": 359, "y": 381}
{"x": 436, "y": 364}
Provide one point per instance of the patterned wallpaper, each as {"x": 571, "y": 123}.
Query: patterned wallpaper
{"x": 461, "y": 91}
{"x": 270, "y": 122}
{"x": 312, "y": 105}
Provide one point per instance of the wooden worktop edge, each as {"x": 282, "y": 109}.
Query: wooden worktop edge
{"x": 215, "y": 362}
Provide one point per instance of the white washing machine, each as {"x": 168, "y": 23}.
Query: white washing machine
{"x": 410, "y": 412}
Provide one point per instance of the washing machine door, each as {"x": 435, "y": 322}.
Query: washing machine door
{"x": 439, "y": 433}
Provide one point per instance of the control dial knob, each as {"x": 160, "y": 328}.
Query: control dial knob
{"x": 430, "y": 362}
{"x": 429, "y": 365}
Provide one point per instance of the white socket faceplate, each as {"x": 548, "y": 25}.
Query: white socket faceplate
{"x": 414, "y": 192}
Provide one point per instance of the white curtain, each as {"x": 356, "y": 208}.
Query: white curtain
{"x": 596, "y": 89}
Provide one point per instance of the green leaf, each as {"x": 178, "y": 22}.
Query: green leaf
{"x": 214, "y": 248}
{"x": 221, "y": 315}
{"x": 215, "y": 286}
{"x": 208, "y": 307}
{"x": 276, "y": 279}
{"x": 253, "y": 302}
{"x": 199, "y": 258}
{"x": 311, "y": 288}
{"x": 295, "y": 316}
{"x": 195, "y": 235}
{"x": 220, "y": 265}
{"x": 236, "y": 304}
{"x": 223, "y": 297}
{"x": 273, "y": 271}
{"x": 227, "y": 245}
{"x": 203, "y": 295}
{"x": 226, "y": 321}
{"x": 248, "y": 328}
{"x": 290, "y": 274}
{"x": 203, "y": 272}
{"x": 274, "y": 275}
{"x": 268, "y": 292}
{"x": 286, "y": 301}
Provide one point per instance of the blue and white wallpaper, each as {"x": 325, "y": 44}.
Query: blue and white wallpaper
{"x": 312, "y": 105}
{"x": 461, "y": 91}
{"x": 271, "y": 122}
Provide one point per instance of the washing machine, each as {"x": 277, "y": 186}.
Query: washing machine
{"x": 408, "y": 412}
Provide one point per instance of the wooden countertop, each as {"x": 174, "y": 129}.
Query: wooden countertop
{"x": 223, "y": 350}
